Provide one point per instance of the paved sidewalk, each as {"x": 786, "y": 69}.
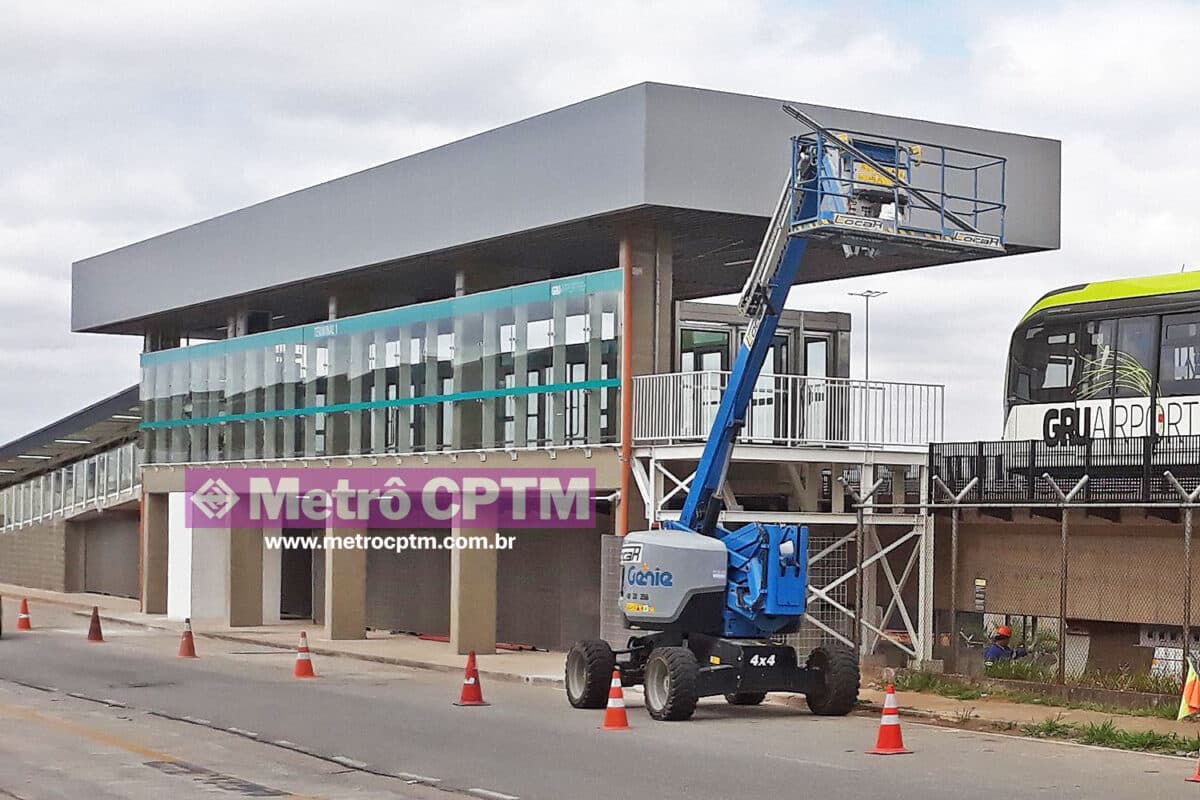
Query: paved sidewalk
{"x": 546, "y": 668}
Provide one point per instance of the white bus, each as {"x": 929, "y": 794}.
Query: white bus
{"x": 1107, "y": 360}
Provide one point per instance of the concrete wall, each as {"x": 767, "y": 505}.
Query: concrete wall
{"x": 35, "y": 556}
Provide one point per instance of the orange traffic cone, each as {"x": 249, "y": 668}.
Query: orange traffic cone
{"x": 304, "y": 667}
{"x": 472, "y": 692}
{"x": 23, "y": 616}
{"x": 1195, "y": 778}
{"x": 889, "y": 742}
{"x": 187, "y": 645}
{"x": 615, "y": 718}
{"x": 94, "y": 633}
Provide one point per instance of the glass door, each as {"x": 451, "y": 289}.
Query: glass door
{"x": 704, "y": 357}
{"x": 815, "y": 417}
{"x": 768, "y": 417}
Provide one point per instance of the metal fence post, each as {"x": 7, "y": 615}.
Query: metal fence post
{"x": 1189, "y": 498}
{"x": 1064, "y": 498}
{"x": 954, "y": 499}
{"x": 859, "y": 501}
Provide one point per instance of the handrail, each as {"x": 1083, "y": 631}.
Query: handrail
{"x": 791, "y": 410}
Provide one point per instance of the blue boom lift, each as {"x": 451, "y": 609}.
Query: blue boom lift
{"x": 705, "y": 600}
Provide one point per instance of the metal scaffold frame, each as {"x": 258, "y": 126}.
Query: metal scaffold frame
{"x": 899, "y": 561}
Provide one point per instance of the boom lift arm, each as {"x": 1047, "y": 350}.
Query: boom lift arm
{"x": 763, "y": 297}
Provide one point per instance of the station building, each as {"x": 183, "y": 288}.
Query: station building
{"x": 492, "y": 300}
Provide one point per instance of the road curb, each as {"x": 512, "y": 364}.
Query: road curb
{"x": 496, "y": 675}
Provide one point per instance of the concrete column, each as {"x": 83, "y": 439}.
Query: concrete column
{"x": 345, "y": 589}
{"x": 473, "y": 596}
{"x": 154, "y": 553}
{"x": 924, "y": 622}
{"x": 245, "y": 585}
{"x": 652, "y": 325}
{"x": 271, "y": 584}
{"x": 612, "y": 621}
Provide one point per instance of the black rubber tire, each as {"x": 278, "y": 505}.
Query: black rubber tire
{"x": 745, "y": 698}
{"x": 838, "y": 692}
{"x": 682, "y": 674}
{"x": 593, "y": 678}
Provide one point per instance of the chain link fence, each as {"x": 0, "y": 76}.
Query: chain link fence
{"x": 1097, "y": 592}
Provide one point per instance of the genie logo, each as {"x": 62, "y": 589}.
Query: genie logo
{"x": 644, "y": 576}
{"x": 1066, "y": 426}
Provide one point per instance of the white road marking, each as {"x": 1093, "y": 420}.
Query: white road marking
{"x": 242, "y": 732}
{"x": 490, "y": 795}
{"x": 346, "y": 761}
{"x": 808, "y": 762}
{"x": 411, "y": 778}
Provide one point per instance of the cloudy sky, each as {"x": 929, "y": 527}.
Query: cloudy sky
{"x": 119, "y": 121}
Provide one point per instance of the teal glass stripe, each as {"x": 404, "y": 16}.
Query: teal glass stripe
{"x": 544, "y": 291}
{"x": 482, "y": 394}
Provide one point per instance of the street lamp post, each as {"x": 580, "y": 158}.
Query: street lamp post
{"x": 867, "y": 295}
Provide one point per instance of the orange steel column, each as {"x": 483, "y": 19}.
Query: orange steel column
{"x": 626, "y": 258}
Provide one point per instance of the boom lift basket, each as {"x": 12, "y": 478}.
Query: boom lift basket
{"x": 891, "y": 195}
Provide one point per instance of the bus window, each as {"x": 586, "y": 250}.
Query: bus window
{"x": 1179, "y": 356}
{"x": 1097, "y": 356}
{"x": 1044, "y": 364}
{"x": 1135, "y": 357}
{"x": 1118, "y": 359}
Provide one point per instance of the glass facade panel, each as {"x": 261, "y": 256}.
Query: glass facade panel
{"x": 525, "y": 366}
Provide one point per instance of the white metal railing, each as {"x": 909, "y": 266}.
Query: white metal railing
{"x": 101, "y": 480}
{"x": 789, "y": 410}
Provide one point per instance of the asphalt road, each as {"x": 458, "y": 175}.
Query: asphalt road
{"x": 530, "y": 744}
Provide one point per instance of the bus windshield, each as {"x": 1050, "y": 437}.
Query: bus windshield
{"x": 1061, "y": 362}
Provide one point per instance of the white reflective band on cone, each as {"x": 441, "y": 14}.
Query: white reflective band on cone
{"x": 889, "y": 720}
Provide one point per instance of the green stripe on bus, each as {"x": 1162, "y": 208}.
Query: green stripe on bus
{"x": 483, "y": 394}
{"x": 1126, "y": 288}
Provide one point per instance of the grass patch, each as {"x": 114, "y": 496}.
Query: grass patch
{"x": 1020, "y": 670}
{"x": 956, "y": 689}
{"x": 1107, "y": 734}
{"x": 1126, "y": 680}
{"x": 1049, "y": 728}
{"x": 936, "y": 684}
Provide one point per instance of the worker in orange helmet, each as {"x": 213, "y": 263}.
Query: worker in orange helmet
{"x": 999, "y": 649}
